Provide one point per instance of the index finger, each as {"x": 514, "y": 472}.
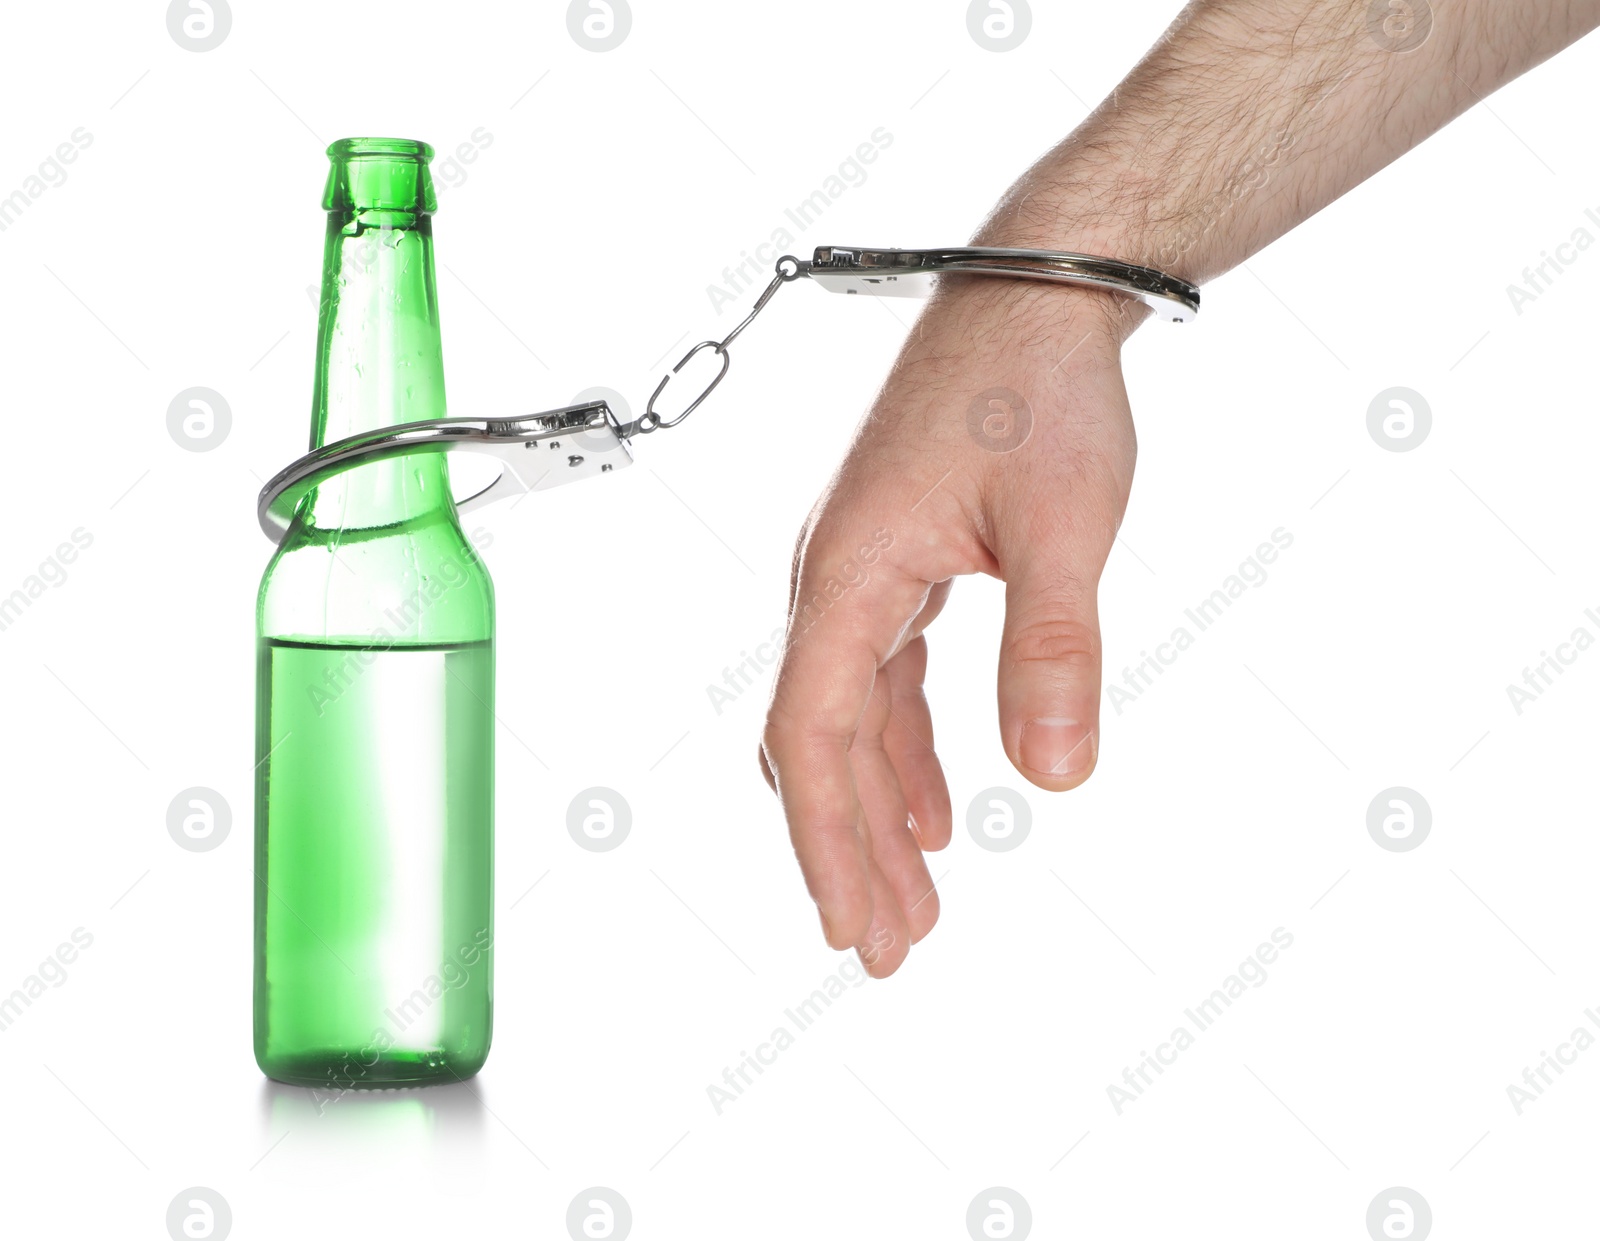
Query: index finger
{"x": 844, "y": 623}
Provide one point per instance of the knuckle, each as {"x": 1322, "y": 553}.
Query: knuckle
{"x": 797, "y": 721}
{"x": 1055, "y": 640}
{"x": 799, "y": 552}
{"x": 775, "y": 734}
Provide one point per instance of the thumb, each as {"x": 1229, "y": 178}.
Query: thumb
{"x": 1050, "y": 656}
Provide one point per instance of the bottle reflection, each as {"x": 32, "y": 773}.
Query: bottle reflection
{"x": 446, "y": 1117}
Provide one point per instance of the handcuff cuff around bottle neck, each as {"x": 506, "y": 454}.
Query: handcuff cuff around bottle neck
{"x": 544, "y": 450}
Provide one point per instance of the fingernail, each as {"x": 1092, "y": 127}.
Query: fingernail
{"x": 827, "y": 931}
{"x": 911, "y": 822}
{"x": 1053, "y": 746}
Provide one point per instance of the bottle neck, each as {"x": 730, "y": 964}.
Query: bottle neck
{"x": 379, "y": 364}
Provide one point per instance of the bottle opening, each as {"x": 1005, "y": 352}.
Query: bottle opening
{"x": 380, "y": 174}
{"x": 354, "y": 148}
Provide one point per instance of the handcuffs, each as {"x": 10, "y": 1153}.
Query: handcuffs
{"x": 544, "y": 450}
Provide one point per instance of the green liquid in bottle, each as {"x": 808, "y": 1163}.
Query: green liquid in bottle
{"x": 373, "y": 865}
{"x": 374, "y": 853}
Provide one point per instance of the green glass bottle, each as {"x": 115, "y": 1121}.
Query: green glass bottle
{"x": 375, "y": 688}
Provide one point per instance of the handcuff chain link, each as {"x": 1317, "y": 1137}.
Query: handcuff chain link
{"x": 786, "y": 269}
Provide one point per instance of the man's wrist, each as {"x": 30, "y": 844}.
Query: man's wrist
{"x": 1040, "y": 218}
{"x": 1033, "y": 316}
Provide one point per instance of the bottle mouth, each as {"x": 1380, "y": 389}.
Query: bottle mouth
{"x": 379, "y": 174}
{"x": 390, "y": 148}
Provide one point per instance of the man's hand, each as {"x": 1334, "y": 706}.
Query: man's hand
{"x": 1001, "y": 444}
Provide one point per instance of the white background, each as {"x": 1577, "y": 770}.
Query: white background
{"x": 1231, "y": 798}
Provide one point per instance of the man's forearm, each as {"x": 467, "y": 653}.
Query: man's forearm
{"x": 1251, "y": 115}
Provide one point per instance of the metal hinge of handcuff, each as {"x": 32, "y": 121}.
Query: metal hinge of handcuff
{"x": 544, "y": 450}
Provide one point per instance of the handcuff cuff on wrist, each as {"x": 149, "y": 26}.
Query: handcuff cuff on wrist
{"x": 544, "y": 450}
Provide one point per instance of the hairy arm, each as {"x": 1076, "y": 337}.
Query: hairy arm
{"x": 1251, "y": 115}
{"x": 1002, "y": 442}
